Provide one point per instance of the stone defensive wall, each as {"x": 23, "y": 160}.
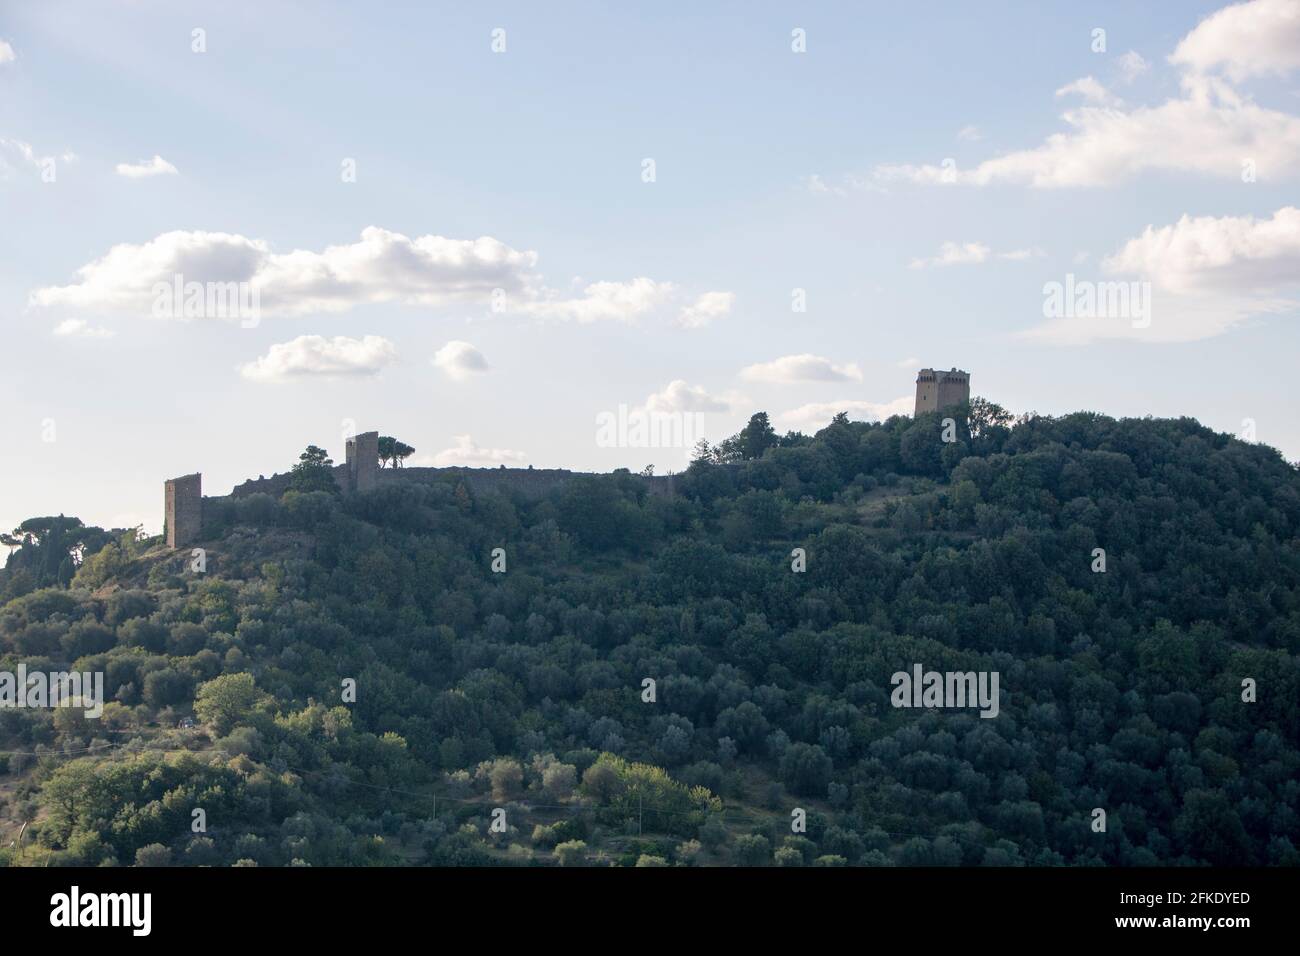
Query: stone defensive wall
{"x": 529, "y": 482}
{"x": 183, "y": 497}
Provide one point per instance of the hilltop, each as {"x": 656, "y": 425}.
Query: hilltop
{"x": 365, "y": 678}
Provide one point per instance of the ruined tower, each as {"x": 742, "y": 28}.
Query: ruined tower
{"x": 363, "y": 461}
{"x": 183, "y": 509}
{"x": 938, "y": 390}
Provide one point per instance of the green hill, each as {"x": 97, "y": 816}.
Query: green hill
{"x": 364, "y": 688}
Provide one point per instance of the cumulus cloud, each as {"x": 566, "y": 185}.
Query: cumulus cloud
{"x": 7, "y": 54}
{"x": 315, "y": 355}
{"x": 460, "y": 360}
{"x": 1229, "y": 253}
{"x": 81, "y": 329}
{"x": 602, "y": 301}
{"x": 677, "y": 396}
{"x": 709, "y": 306}
{"x": 955, "y": 253}
{"x": 381, "y": 267}
{"x": 1132, "y": 65}
{"x": 1088, "y": 88}
{"x": 466, "y": 454}
{"x": 801, "y": 368}
{"x": 1207, "y": 275}
{"x": 146, "y": 167}
{"x": 1208, "y": 129}
{"x": 1246, "y": 39}
{"x": 817, "y": 415}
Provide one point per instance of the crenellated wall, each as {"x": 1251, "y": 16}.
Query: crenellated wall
{"x": 184, "y": 498}
{"x": 937, "y": 390}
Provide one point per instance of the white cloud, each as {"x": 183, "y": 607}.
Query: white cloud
{"x": 817, "y": 415}
{"x": 382, "y": 266}
{"x": 970, "y": 134}
{"x": 1175, "y": 318}
{"x": 1230, "y": 253}
{"x": 1020, "y": 255}
{"x": 466, "y": 454}
{"x": 1207, "y": 275}
{"x": 801, "y": 368}
{"x": 460, "y": 360}
{"x": 606, "y": 301}
{"x": 1246, "y": 39}
{"x": 26, "y": 152}
{"x": 954, "y": 254}
{"x": 970, "y": 253}
{"x": 1132, "y": 65}
{"x": 709, "y": 306}
{"x": 310, "y": 355}
{"x": 851, "y": 183}
{"x": 816, "y": 184}
{"x": 677, "y": 396}
{"x": 81, "y": 329}
{"x": 908, "y": 363}
{"x": 1089, "y": 89}
{"x": 146, "y": 167}
{"x": 1209, "y": 129}
{"x": 7, "y": 54}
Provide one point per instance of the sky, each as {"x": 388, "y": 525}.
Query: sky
{"x": 487, "y": 228}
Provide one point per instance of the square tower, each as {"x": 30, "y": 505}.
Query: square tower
{"x": 363, "y": 461}
{"x": 927, "y": 391}
{"x": 939, "y": 390}
{"x": 183, "y": 509}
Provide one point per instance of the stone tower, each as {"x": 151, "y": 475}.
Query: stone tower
{"x": 183, "y": 509}
{"x": 363, "y": 461}
{"x": 938, "y": 390}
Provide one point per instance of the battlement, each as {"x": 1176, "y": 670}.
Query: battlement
{"x": 360, "y": 472}
{"x": 937, "y": 390}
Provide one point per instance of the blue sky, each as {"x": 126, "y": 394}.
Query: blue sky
{"x": 921, "y": 178}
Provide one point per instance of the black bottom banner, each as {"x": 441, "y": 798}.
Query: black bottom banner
{"x": 332, "y": 905}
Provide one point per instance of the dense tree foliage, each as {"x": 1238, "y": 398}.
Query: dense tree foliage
{"x": 393, "y": 452}
{"x": 313, "y": 472}
{"x": 367, "y": 690}
{"x": 49, "y": 551}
